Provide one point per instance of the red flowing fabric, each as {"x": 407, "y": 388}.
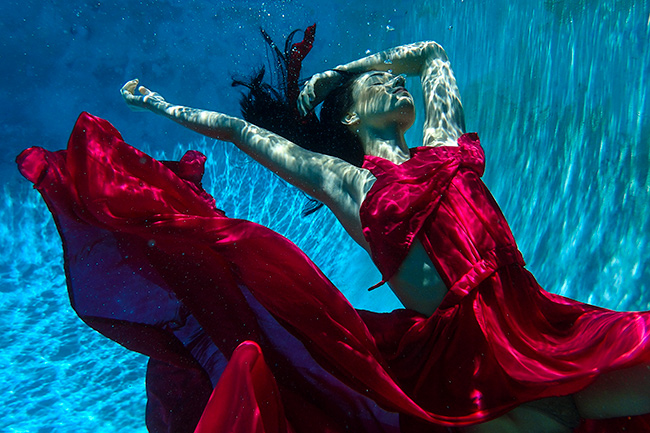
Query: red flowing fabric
{"x": 297, "y": 54}
{"x": 170, "y": 234}
{"x": 498, "y": 339}
{"x": 153, "y": 264}
{"x": 252, "y": 399}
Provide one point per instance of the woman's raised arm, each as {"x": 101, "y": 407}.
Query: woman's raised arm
{"x": 323, "y": 177}
{"x": 444, "y": 116}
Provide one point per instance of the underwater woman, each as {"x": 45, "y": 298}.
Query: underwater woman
{"x": 479, "y": 346}
{"x": 444, "y": 248}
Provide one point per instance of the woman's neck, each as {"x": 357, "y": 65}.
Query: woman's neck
{"x": 385, "y": 143}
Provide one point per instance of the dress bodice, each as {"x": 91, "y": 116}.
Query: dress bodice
{"x": 438, "y": 196}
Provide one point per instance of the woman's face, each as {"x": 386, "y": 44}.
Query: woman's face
{"x": 380, "y": 101}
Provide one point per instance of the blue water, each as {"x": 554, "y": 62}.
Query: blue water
{"x": 558, "y": 91}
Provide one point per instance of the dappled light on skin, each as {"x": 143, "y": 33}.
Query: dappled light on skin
{"x": 445, "y": 122}
{"x": 381, "y": 99}
{"x": 338, "y": 184}
{"x": 444, "y": 117}
{"x": 321, "y": 176}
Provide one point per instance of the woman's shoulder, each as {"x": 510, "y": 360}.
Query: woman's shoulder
{"x": 467, "y": 145}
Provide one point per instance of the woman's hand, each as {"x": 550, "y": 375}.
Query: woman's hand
{"x": 147, "y": 100}
{"x": 317, "y": 89}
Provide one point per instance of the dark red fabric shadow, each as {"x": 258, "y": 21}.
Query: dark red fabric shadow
{"x": 153, "y": 264}
{"x": 146, "y": 250}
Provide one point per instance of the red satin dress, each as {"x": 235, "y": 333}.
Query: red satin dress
{"x": 152, "y": 264}
{"x": 245, "y": 334}
{"x": 498, "y": 339}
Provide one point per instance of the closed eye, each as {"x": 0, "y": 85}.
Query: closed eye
{"x": 378, "y": 78}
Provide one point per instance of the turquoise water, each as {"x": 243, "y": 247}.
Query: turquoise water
{"x": 557, "y": 90}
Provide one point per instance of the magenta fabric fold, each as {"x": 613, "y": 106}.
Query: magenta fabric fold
{"x": 498, "y": 339}
{"x": 174, "y": 238}
{"x": 153, "y": 264}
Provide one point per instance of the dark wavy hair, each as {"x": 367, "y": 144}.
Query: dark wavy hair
{"x": 273, "y": 106}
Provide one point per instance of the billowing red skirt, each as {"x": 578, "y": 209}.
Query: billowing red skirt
{"x": 247, "y": 334}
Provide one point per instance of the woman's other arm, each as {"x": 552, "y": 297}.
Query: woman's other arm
{"x": 444, "y": 117}
{"x": 323, "y": 177}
